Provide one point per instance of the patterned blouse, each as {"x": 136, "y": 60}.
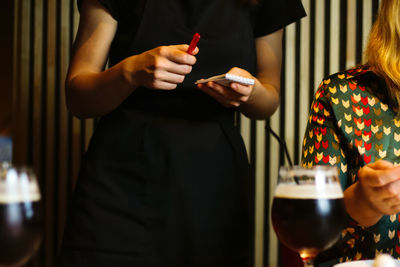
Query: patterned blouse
{"x": 351, "y": 125}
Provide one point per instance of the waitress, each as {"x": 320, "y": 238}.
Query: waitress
{"x": 165, "y": 179}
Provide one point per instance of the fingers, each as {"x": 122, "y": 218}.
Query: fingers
{"x": 380, "y": 182}
{"x": 169, "y": 77}
{"x": 239, "y": 88}
{"x": 161, "y": 79}
{"x": 224, "y": 95}
{"x": 244, "y": 90}
{"x": 390, "y": 191}
{"x": 178, "y": 54}
{"x": 232, "y": 95}
{"x": 162, "y": 85}
{"x": 228, "y": 93}
{"x": 389, "y": 206}
{"x": 240, "y": 72}
{"x": 206, "y": 88}
{"x": 378, "y": 174}
{"x": 185, "y": 47}
{"x": 394, "y": 209}
{"x": 164, "y": 64}
{"x": 385, "y": 200}
{"x": 172, "y": 64}
{"x": 381, "y": 165}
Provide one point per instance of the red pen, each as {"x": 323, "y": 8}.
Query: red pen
{"x": 193, "y": 43}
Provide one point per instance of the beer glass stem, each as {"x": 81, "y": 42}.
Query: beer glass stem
{"x": 308, "y": 262}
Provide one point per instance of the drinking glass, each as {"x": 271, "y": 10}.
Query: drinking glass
{"x": 20, "y": 215}
{"x": 308, "y": 212}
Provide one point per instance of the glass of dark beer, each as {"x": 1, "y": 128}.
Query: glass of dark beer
{"x": 20, "y": 215}
{"x": 308, "y": 212}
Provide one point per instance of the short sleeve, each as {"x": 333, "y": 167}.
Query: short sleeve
{"x": 113, "y": 6}
{"x": 272, "y": 15}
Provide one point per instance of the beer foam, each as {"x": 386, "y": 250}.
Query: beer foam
{"x": 309, "y": 191}
{"x": 9, "y": 195}
{"x": 18, "y": 185}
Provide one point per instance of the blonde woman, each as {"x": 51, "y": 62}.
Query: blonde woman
{"x": 355, "y": 124}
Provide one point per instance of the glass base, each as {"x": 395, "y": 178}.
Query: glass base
{"x": 308, "y": 262}
{"x": 308, "y": 256}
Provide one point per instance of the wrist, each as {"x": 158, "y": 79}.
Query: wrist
{"x": 262, "y": 102}
{"x": 255, "y": 92}
{"x": 126, "y": 74}
{"x": 359, "y": 207}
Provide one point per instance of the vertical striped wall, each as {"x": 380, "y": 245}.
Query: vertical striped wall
{"x": 45, "y": 136}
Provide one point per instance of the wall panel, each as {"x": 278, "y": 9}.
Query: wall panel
{"x": 45, "y": 135}
{"x": 6, "y": 70}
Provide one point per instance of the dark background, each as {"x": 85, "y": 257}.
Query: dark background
{"x": 6, "y": 66}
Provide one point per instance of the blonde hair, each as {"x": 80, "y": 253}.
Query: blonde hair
{"x": 383, "y": 48}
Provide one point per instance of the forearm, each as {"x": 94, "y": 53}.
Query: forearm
{"x": 263, "y": 102}
{"x": 265, "y": 97}
{"x": 92, "y": 94}
{"x": 361, "y": 211}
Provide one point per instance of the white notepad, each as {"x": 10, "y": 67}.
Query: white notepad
{"x": 226, "y": 79}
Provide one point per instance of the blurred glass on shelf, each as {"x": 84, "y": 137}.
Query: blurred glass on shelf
{"x": 20, "y": 215}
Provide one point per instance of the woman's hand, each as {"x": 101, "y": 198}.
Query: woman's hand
{"x": 258, "y": 101}
{"x": 92, "y": 91}
{"x": 380, "y": 186}
{"x": 229, "y": 96}
{"x": 376, "y": 193}
{"x": 162, "y": 68}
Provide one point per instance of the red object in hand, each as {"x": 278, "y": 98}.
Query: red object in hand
{"x": 193, "y": 43}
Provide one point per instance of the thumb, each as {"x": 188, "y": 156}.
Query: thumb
{"x": 378, "y": 174}
{"x": 185, "y": 47}
{"x": 381, "y": 165}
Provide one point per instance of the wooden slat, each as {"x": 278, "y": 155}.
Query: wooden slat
{"x": 319, "y": 55}
{"x": 6, "y": 23}
{"x": 367, "y": 20}
{"x": 75, "y": 19}
{"x": 289, "y": 90}
{"x": 76, "y": 151}
{"x": 37, "y": 103}
{"x": 63, "y": 120}
{"x": 304, "y": 71}
{"x": 335, "y": 40}
{"x": 245, "y": 131}
{"x": 16, "y": 64}
{"x": 89, "y": 127}
{"x": 311, "y": 59}
{"x": 76, "y": 124}
{"x": 351, "y": 34}
{"x": 273, "y": 172}
{"x": 50, "y": 159}
{"x": 37, "y": 134}
{"x": 21, "y": 81}
{"x": 260, "y": 194}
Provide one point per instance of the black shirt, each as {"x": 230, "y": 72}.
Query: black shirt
{"x": 165, "y": 181}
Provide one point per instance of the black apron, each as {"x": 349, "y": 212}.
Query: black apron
{"x": 165, "y": 179}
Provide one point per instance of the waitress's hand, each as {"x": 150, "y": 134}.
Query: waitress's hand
{"x": 232, "y": 96}
{"x": 163, "y": 67}
{"x": 376, "y": 193}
